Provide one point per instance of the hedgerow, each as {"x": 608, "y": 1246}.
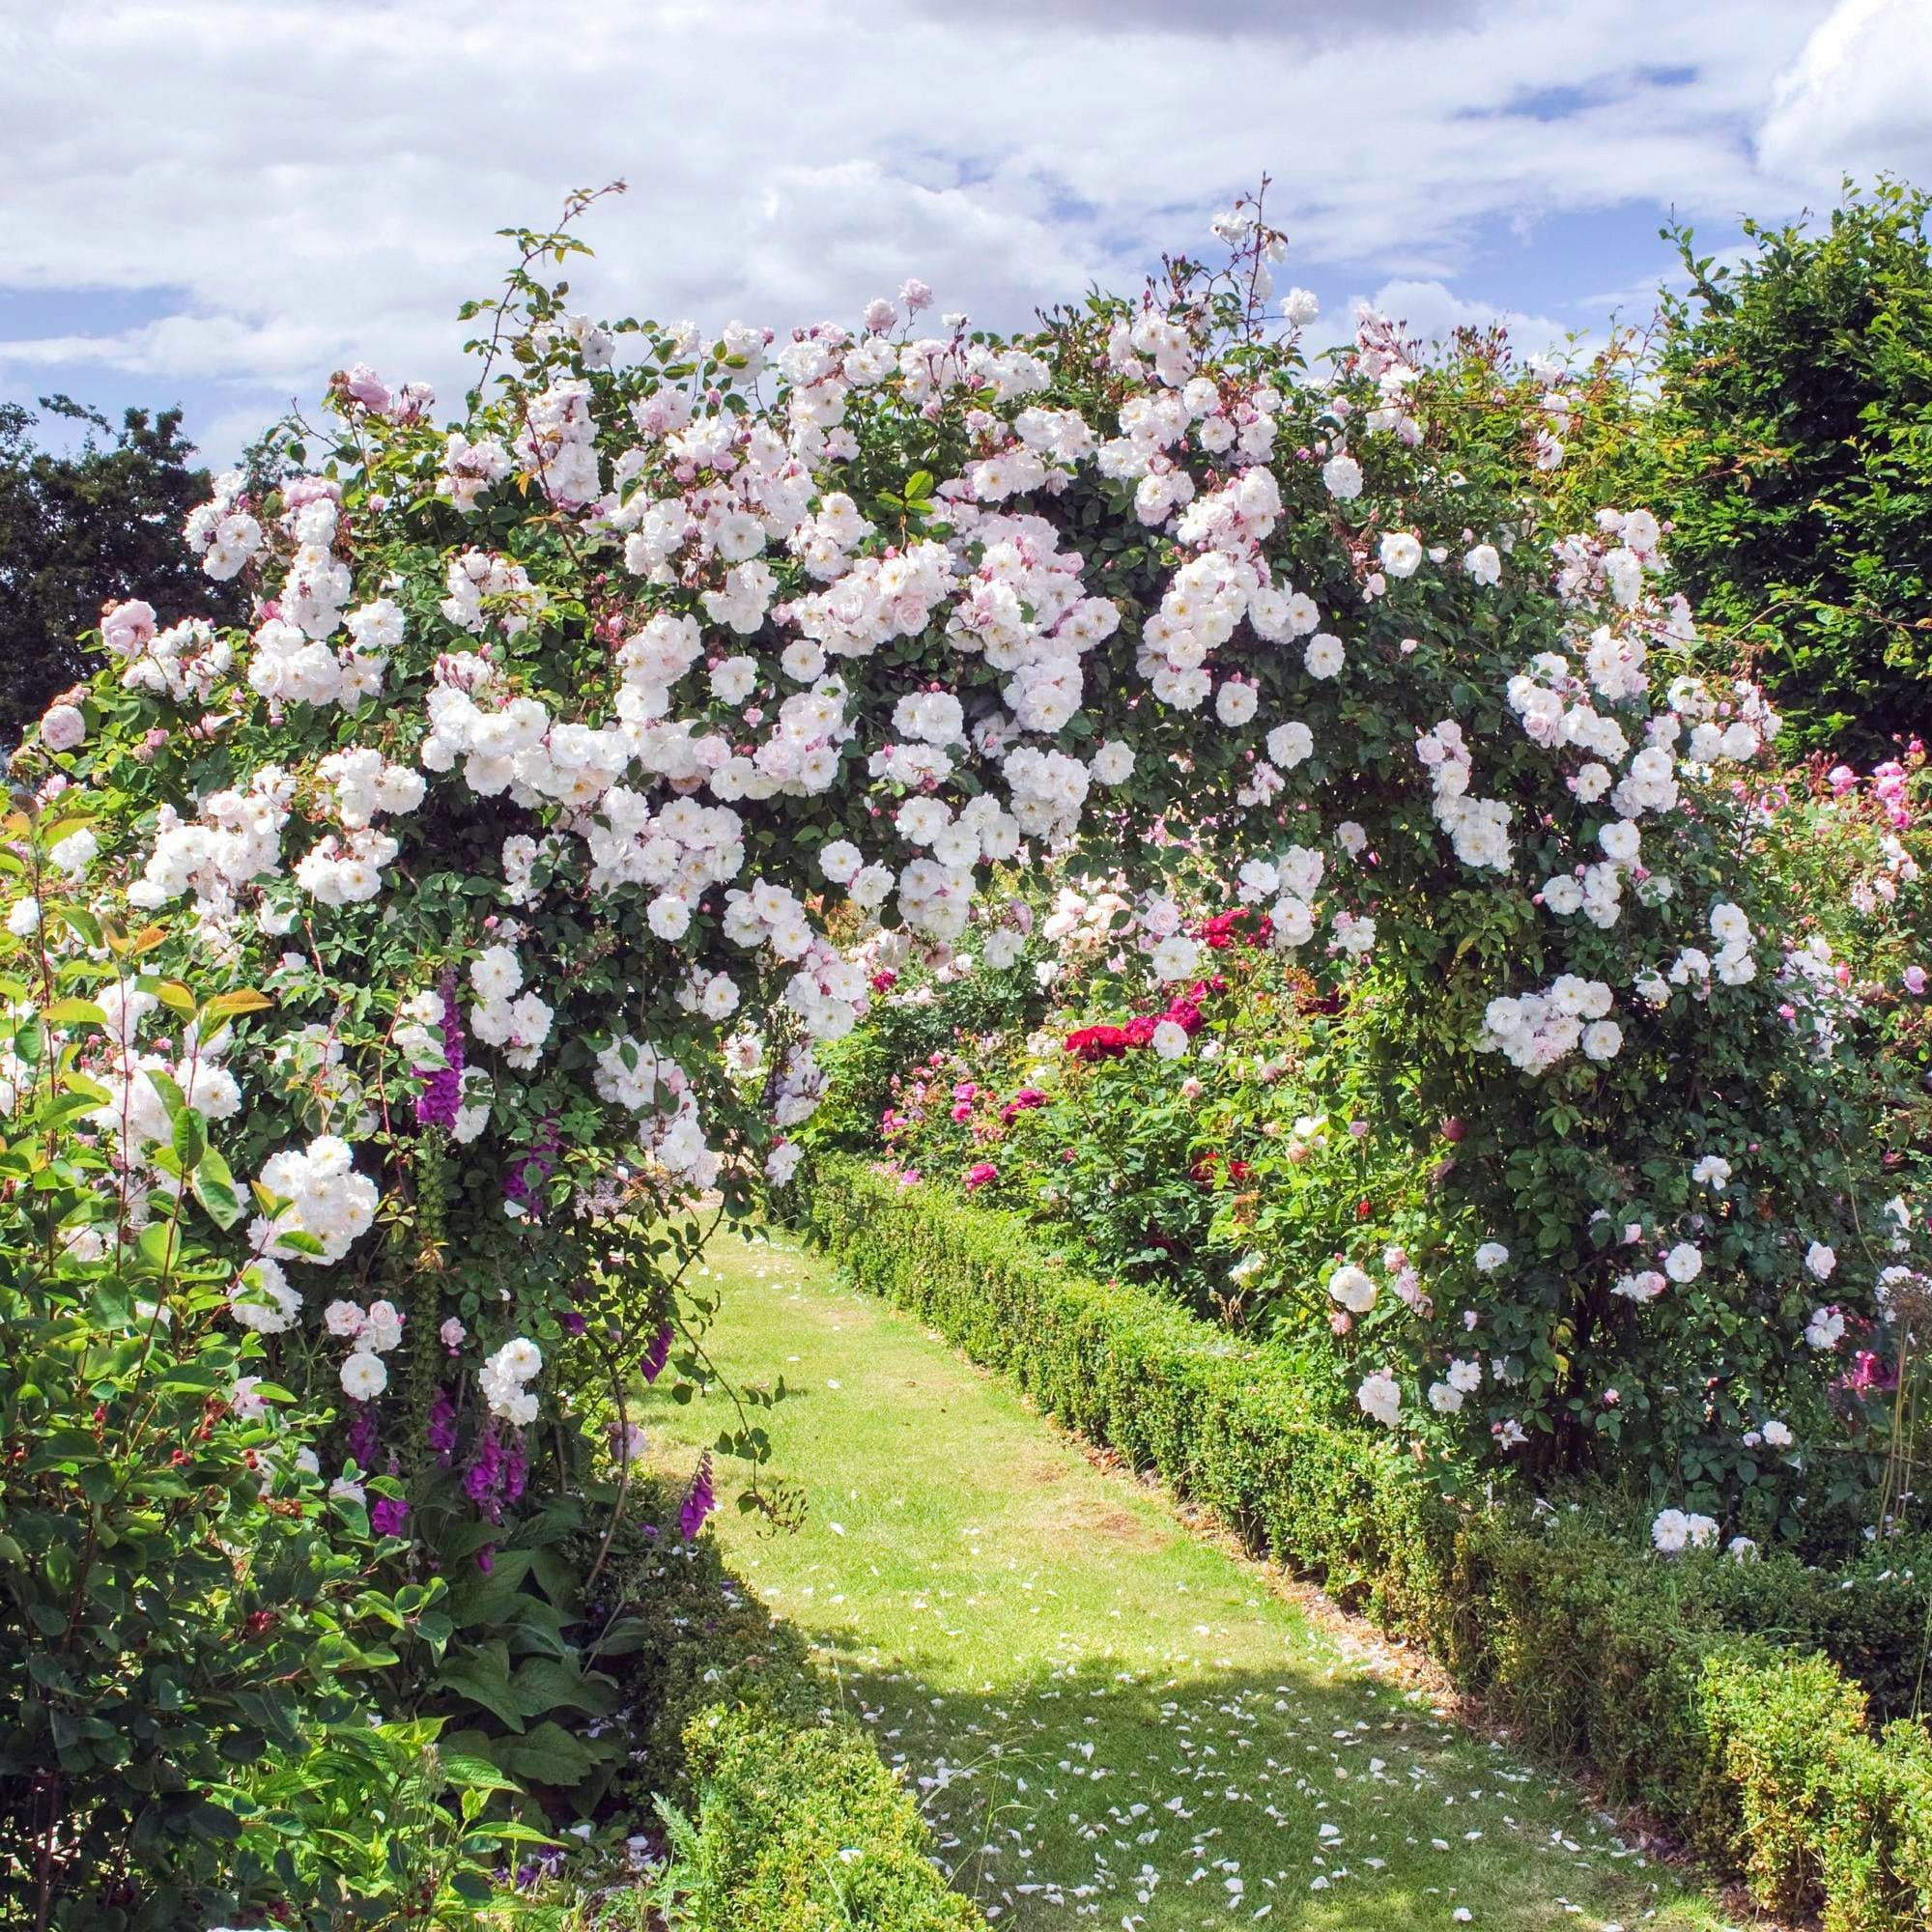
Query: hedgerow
{"x": 777, "y": 1813}
{"x": 1763, "y": 1756}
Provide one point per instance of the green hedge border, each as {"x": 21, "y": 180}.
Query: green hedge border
{"x": 1762, "y": 1756}
{"x": 782, "y": 1817}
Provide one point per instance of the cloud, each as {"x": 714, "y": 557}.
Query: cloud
{"x": 1432, "y": 313}
{"x": 317, "y": 182}
{"x": 1857, "y": 99}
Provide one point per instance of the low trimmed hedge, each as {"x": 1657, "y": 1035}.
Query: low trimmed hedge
{"x": 781, "y": 1816}
{"x": 802, "y": 1830}
{"x": 1763, "y": 1754}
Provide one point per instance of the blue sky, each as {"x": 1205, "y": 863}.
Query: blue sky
{"x": 215, "y": 203}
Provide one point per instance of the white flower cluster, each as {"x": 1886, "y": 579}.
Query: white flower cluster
{"x": 1463, "y": 1377}
{"x": 290, "y": 667}
{"x": 828, "y": 992}
{"x": 676, "y": 1139}
{"x": 1295, "y": 875}
{"x": 632, "y": 1073}
{"x": 558, "y": 443}
{"x": 236, "y": 840}
{"x": 505, "y": 1379}
{"x": 1478, "y": 828}
{"x": 371, "y": 1333}
{"x": 361, "y": 783}
{"x": 799, "y": 1090}
{"x": 134, "y": 1116}
{"x": 677, "y": 853}
{"x": 1534, "y": 1031}
{"x": 261, "y": 1297}
{"x": 502, "y": 1014}
{"x": 513, "y": 601}
{"x": 327, "y": 1200}
{"x": 469, "y": 469}
{"x": 224, "y": 536}
{"x": 768, "y": 915}
{"x": 1733, "y": 964}
{"x": 186, "y": 662}
{"x": 1674, "y": 1532}
{"x": 346, "y": 870}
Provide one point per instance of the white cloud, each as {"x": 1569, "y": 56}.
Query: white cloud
{"x": 1859, "y": 98}
{"x": 1432, "y": 313}
{"x": 319, "y": 180}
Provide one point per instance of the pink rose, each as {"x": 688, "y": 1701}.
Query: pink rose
{"x": 63, "y": 728}
{"x": 367, "y": 387}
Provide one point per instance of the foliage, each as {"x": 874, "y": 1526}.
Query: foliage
{"x": 799, "y": 1831}
{"x": 915, "y": 1016}
{"x": 1011, "y": 577}
{"x": 684, "y": 1637}
{"x": 569, "y": 749}
{"x": 1789, "y": 447}
{"x": 80, "y": 530}
{"x": 179, "y": 1595}
{"x": 1280, "y": 1131}
{"x": 1762, "y": 1756}
{"x": 377, "y": 1824}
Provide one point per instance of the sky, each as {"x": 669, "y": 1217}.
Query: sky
{"x": 217, "y": 203}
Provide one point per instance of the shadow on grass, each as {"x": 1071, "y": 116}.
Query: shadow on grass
{"x": 1209, "y": 1798}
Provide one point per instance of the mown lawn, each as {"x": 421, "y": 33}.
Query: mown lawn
{"x": 1108, "y": 1721}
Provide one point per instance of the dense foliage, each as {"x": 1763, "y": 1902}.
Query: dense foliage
{"x": 86, "y": 528}
{"x": 1686, "y": 1681}
{"x": 580, "y": 772}
{"x": 179, "y": 1595}
{"x": 1789, "y": 450}
{"x": 1267, "y": 1148}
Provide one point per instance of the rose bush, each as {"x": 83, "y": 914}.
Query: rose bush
{"x": 1249, "y": 1143}
{"x": 183, "y": 1594}
{"x": 572, "y": 745}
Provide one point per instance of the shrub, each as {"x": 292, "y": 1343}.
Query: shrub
{"x": 780, "y": 1815}
{"x": 681, "y": 1634}
{"x": 1284, "y": 1131}
{"x": 1788, "y": 446}
{"x": 801, "y": 1832}
{"x": 565, "y": 737}
{"x": 181, "y": 1593}
{"x": 1587, "y": 1642}
{"x": 381, "y": 1823}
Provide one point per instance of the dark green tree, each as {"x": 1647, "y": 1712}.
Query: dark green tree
{"x": 79, "y": 529}
{"x": 1793, "y": 434}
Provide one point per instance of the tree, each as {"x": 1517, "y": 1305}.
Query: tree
{"x": 80, "y": 530}
{"x": 1792, "y": 440}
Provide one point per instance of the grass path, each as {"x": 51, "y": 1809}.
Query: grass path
{"x": 1108, "y": 1721}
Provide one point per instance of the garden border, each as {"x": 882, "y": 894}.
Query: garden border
{"x": 1762, "y": 1755}
{"x": 780, "y": 1809}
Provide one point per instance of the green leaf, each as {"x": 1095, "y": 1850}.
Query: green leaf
{"x": 75, "y": 1013}
{"x": 227, "y": 1006}
{"x": 171, "y": 1097}
{"x": 189, "y": 1140}
{"x": 482, "y": 1674}
{"x": 176, "y": 997}
{"x": 553, "y": 1684}
{"x": 548, "y": 1755}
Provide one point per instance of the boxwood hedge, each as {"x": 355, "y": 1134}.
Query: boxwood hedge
{"x": 1765, "y": 1755}
{"x": 781, "y": 1816}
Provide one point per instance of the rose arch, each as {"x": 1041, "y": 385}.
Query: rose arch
{"x": 528, "y": 829}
